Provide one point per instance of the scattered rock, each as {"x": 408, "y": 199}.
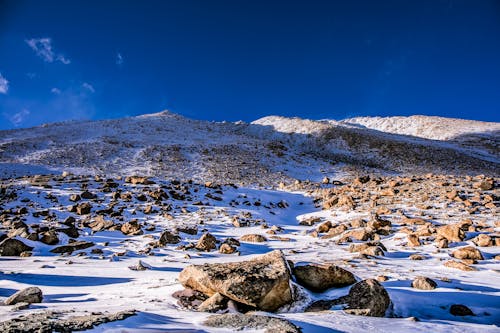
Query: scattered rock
{"x": 322, "y": 277}
{"x": 168, "y": 237}
{"x": 49, "y": 238}
{"x": 423, "y": 283}
{"x": 206, "y": 242}
{"x": 189, "y": 298}
{"x": 451, "y": 232}
{"x": 460, "y": 310}
{"x": 214, "y": 303}
{"x": 413, "y": 240}
{"x": 483, "y": 240}
{"x": 263, "y": 282}
{"x": 468, "y": 252}
{"x": 459, "y": 265}
{"x": 28, "y": 295}
{"x": 368, "y": 298}
{"x": 13, "y": 247}
{"x": 239, "y": 322}
{"x": 131, "y": 228}
{"x": 71, "y": 247}
{"x": 225, "y": 248}
{"x": 253, "y": 238}
{"x": 83, "y": 208}
{"x": 140, "y": 266}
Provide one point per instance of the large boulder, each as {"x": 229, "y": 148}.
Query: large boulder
{"x": 452, "y": 232}
{"x": 28, "y": 295}
{"x": 468, "y": 252}
{"x": 368, "y": 298}
{"x": 13, "y": 247}
{"x": 322, "y": 277}
{"x": 263, "y": 282}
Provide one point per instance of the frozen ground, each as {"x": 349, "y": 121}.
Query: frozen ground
{"x": 103, "y": 282}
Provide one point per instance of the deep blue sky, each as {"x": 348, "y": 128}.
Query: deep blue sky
{"x": 232, "y": 60}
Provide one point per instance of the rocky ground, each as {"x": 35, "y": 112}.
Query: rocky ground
{"x": 390, "y": 253}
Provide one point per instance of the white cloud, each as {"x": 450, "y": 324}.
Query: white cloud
{"x": 119, "y": 59}
{"x": 18, "y": 118}
{"x": 43, "y": 49}
{"x": 4, "y": 85}
{"x": 55, "y": 91}
{"x": 88, "y": 86}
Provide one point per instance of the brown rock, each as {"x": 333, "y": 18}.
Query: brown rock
{"x": 13, "y": 247}
{"x": 28, "y": 295}
{"x": 460, "y": 310}
{"x": 459, "y": 265}
{"x": 131, "y": 228}
{"x": 324, "y": 227}
{"x": 423, "y": 283}
{"x": 168, "y": 237}
{"x": 322, "y": 277}
{"x": 83, "y": 208}
{"x": 227, "y": 249}
{"x": 451, "y": 232}
{"x": 468, "y": 252}
{"x": 368, "y": 298}
{"x": 206, "y": 242}
{"x": 413, "y": 240}
{"x": 483, "y": 240}
{"x": 253, "y": 238}
{"x": 263, "y": 282}
{"x": 49, "y": 238}
{"x": 214, "y": 303}
{"x": 70, "y": 247}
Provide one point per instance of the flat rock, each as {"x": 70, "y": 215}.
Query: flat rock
{"x": 468, "y": 252}
{"x": 239, "y": 322}
{"x": 70, "y": 247}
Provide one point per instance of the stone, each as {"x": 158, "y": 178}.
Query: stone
{"x": 442, "y": 243}
{"x": 83, "y": 208}
{"x": 468, "y": 252}
{"x": 423, "y": 283}
{"x": 28, "y": 295}
{"x": 373, "y": 251}
{"x": 359, "y": 234}
{"x": 49, "y": 238}
{"x": 88, "y": 195}
{"x": 324, "y": 227}
{"x": 240, "y": 322}
{"x": 13, "y": 247}
{"x": 214, "y": 303}
{"x": 452, "y": 232}
{"x": 131, "y": 228}
{"x": 206, "y": 242}
{"x": 483, "y": 240}
{"x": 140, "y": 266}
{"x": 263, "y": 282}
{"x": 322, "y": 277}
{"x": 253, "y": 238}
{"x": 459, "y": 265}
{"x": 368, "y": 298}
{"x": 460, "y": 310}
{"x": 225, "y": 248}
{"x": 189, "y": 298}
{"x": 413, "y": 240}
{"x": 71, "y": 247}
{"x": 168, "y": 237}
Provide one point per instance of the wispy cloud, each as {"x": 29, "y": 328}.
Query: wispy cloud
{"x": 119, "y": 59}
{"x": 4, "y": 85}
{"x": 88, "y": 87}
{"x": 18, "y": 118}
{"x": 55, "y": 91}
{"x": 43, "y": 49}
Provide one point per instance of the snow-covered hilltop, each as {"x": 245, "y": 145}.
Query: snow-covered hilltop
{"x": 266, "y": 151}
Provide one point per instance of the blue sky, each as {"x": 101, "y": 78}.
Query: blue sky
{"x": 241, "y": 60}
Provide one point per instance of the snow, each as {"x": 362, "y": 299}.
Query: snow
{"x": 94, "y": 283}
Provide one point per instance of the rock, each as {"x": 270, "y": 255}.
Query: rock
{"x": 263, "y": 282}
{"x": 442, "y": 243}
{"x": 168, "y": 237}
{"x": 206, "y": 242}
{"x": 88, "y": 195}
{"x": 460, "y": 310}
{"x": 416, "y": 256}
{"x": 373, "y": 251}
{"x": 214, "y": 303}
{"x": 452, "y": 232}
{"x": 21, "y": 306}
{"x": 368, "y": 298}
{"x": 100, "y": 224}
{"x": 83, "y": 208}
{"x": 131, "y": 228}
{"x": 413, "y": 240}
{"x": 134, "y": 180}
{"x": 359, "y": 234}
{"x": 324, "y": 227}
{"x": 423, "y": 283}
{"x": 240, "y": 322}
{"x": 140, "y": 266}
{"x": 227, "y": 249}
{"x": 189, "y": 298}
{"x": 322, "y": 277}
{"x": 70, "y": 247}
{"x": 28, "y": 295}
{"x": 468, "y": 252}
{"x": 13, "y": 247}
{"x": 49, "y": 238}
{"x": 459, "y": 265}
{"x": 253, "y": 238}
{"x": 483, "y": 240}
{"x": 74, "y": 198}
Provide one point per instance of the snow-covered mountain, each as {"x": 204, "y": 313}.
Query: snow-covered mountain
{"x": 266, "y": 151}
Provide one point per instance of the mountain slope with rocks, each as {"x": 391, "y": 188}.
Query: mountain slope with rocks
{"x": 267, "y": 151}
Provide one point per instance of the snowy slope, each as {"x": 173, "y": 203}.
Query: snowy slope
{"x": 267, "y": 151}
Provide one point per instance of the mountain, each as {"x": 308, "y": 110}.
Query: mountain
{"x": 267, "y": 151}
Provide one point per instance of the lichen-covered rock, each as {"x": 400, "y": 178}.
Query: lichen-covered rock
{"x": 239, "y": 322}
{"x": 168, "y": 237}
{"x": 13, "y": 247}
{"x": 263, "y": 282}
{"x": 322, "y": 277}
{"x": 28, "y": 295}
{"x": 206, "y": 242}
{"x": 423, "y": 283}
{"x": 368, "y": 298}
